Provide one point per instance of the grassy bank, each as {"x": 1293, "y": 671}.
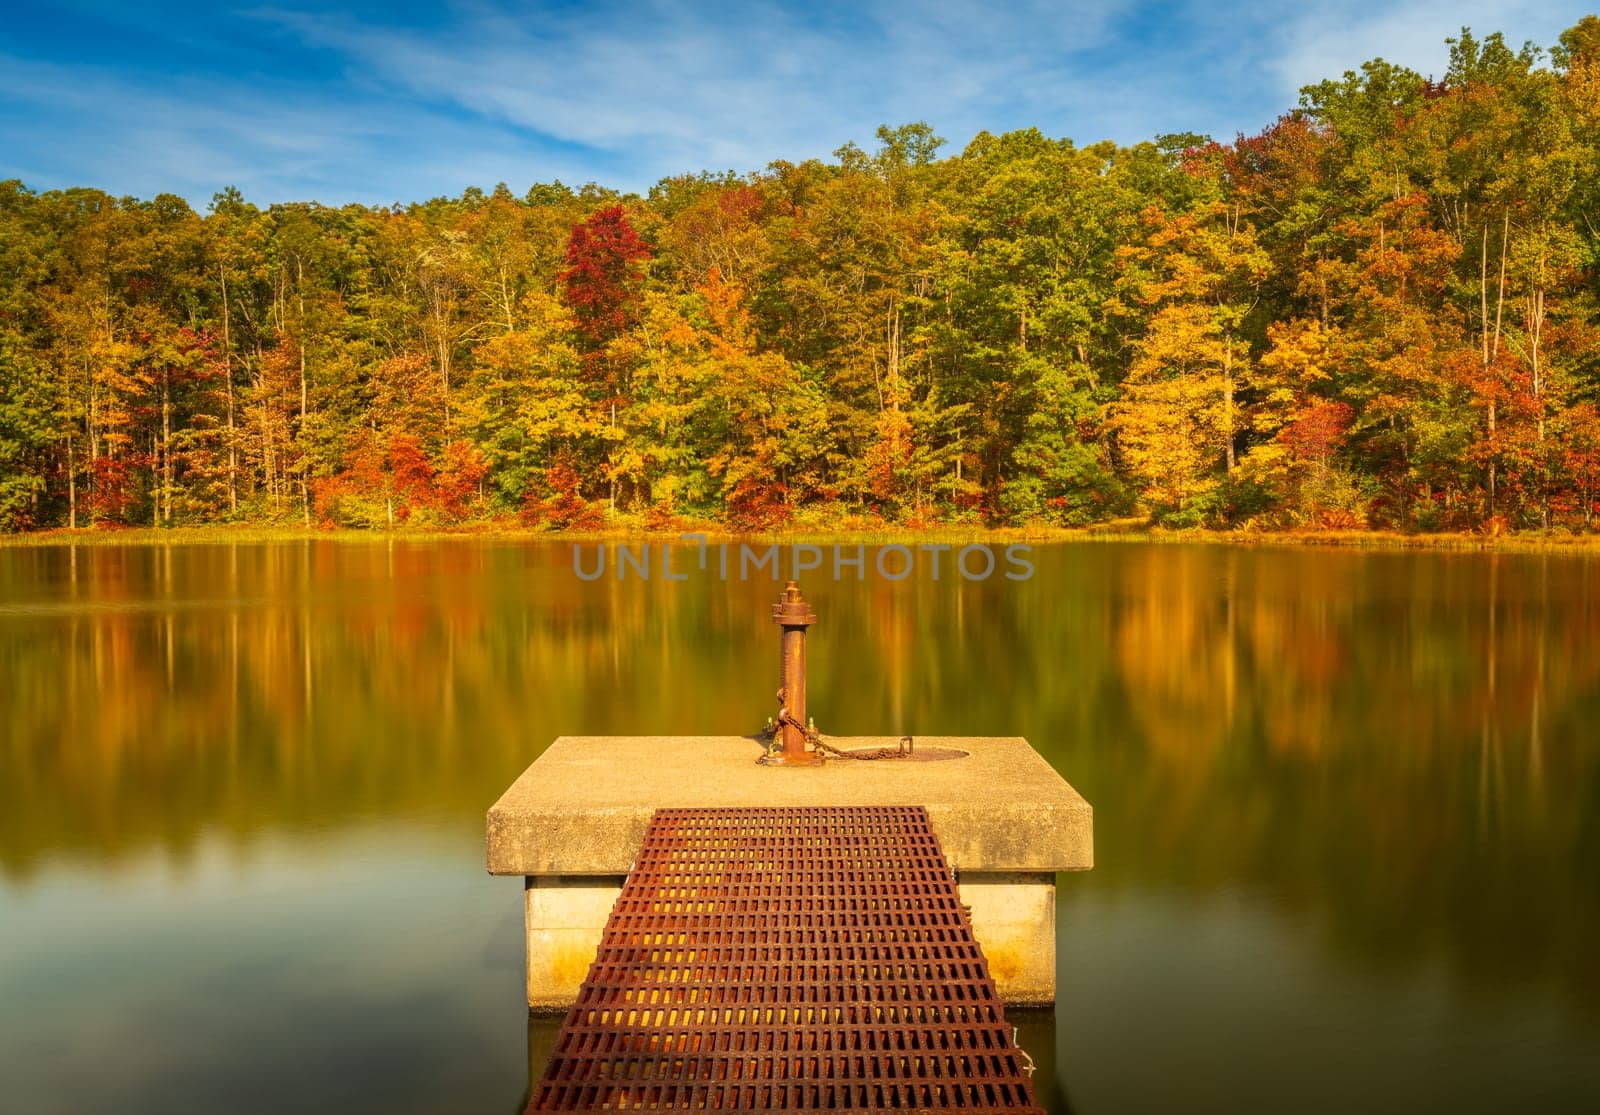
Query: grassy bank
{"x": 883, "y": 535}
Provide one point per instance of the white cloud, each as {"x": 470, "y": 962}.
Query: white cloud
{"x": 675, "y": 88}
{"x": 79, "y": 125}
{"x": 625, "y": 93}
{"x": 1316, "y": 45}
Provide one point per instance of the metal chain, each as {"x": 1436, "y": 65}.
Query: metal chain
{"x": 906, "y": 749}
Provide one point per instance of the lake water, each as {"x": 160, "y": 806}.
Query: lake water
{"x": 1347, "y": 809}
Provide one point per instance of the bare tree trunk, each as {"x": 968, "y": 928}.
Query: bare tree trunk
{"x": 264, "y": 404}
{"x": 1227, "y": 398}
{"x": 1491, "y": 342}
{"x": 1483, "y": 340}
{"x": 300, "y": 282}
{"x": 94, "y": 394}
{"x": 166, "y": 445}
{"x": 1500, "y": 293}
{"x": 305, "y": 403}
{"x": 894, "y": 359}
{"x": 1535, "y": 334}
{"x": 444, "y": 374}
{"x": 227, "y": 363}
{"x": 72, "y": 485}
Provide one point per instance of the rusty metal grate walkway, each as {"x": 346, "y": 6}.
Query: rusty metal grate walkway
{"x": 805, "y": 959}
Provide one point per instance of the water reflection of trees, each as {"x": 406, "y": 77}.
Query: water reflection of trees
{"x": 152, "y": 693}
{"x": 1397, "y": 746}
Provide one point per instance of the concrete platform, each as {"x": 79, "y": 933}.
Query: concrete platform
{"x": 573, "y": 823}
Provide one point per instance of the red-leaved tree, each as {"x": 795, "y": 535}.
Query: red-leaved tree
{"x": 602, "y": 276}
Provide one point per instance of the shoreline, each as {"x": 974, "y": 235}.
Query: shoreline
{"x": 878, "y": 536}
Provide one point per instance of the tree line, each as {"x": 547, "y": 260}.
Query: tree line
{"x": 1381, "y": 312}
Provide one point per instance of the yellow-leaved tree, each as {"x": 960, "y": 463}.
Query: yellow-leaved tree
{"x": 1195, "y": 278}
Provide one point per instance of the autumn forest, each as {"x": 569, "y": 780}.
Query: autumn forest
{"x": 1381, "y": 312}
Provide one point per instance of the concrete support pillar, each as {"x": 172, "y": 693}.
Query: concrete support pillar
{"x": 565, "y": 919}
{"x": 1014, "y": 919}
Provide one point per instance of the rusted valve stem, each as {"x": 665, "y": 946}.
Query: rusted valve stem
{"x": 794, "y": 615}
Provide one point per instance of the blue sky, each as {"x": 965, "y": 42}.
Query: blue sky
{"x": 400, "y": 101}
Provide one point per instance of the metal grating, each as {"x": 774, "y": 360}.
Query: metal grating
{"x": 805, "y": 959}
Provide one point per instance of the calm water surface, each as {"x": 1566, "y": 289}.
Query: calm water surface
{"x": 1347, "y": 810}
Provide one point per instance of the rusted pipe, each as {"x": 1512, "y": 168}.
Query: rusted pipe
{"x": 794, "y": 615}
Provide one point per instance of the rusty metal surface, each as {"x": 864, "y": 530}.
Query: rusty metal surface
{"x": 794, "y": 730}
{"x": 788, "y": 959}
